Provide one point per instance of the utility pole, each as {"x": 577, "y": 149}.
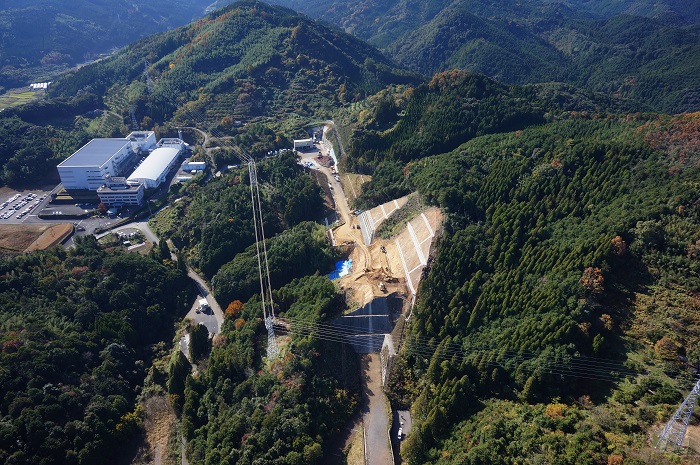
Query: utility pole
{"x": 674, "y": 431}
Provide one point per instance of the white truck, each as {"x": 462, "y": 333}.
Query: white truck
{"x": 204, "y": 306}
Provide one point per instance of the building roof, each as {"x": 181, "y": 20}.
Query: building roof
{"x": 120, "y": 190}
{"x": 97, "y": 152}
{"x": 155, "y": 164}
{"x": 140, "y": 135}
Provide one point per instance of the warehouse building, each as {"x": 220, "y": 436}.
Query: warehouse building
{"x": 142, "y": 141}
{"x": 188, "y": 165}
{"x": 154, "y": 169}
{"x": 117, "y": 192}
{"x": 303, "y": 144}
{"x": 88, "y": 167}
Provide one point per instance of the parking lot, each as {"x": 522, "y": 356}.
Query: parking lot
{"x": 19, "y": 205}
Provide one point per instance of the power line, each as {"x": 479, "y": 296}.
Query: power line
{"x": 611, "y": 364}
{"x": 565, "y": 365}
{"x": 674, "y": 431}
{"x": 256, "y": 203}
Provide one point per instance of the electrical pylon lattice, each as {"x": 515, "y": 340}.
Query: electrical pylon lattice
{"x": 147, "y": 76}
{"x": 260, "y": 246}
{"x": 674, "y": 431}
{"x": 134, "y": 123}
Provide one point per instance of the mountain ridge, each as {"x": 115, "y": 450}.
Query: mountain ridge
{"x": 581, "y": 43}
{"x": 41, "y": 38}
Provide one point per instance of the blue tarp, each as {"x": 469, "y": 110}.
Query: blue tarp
{"x": 342, "y": 268}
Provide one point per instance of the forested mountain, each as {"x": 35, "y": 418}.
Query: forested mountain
{"x": 405, "y": 124}
{"x": 39, "y": 38}
{"x": 213, "y": 223}
{"x": 356, "y": 15}
{"x": 629, "y": 48}
{"x": 568, "y": 263}
{"x": 557, "y": 321}
{"x": 285, "y": 413}
{"x": 247, "y": 60}
{"x": 78, "y": 332}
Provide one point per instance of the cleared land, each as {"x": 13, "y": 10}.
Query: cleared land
{"x": 352, "y": 185}
{"x": 16, "y": 97}
{"x": 395, "y": 263}
{"x": 18, "y": 238}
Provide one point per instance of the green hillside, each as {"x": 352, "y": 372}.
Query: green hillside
{"x": 557, "y": 320}
{"x": 638, "y": 49}
{"x": 80, "y": 329}
{"x": 405, "y": 124}
{"x": 246, "y": 60}
{"x": 559, "y": 307}
{"x": 40, "y": 38}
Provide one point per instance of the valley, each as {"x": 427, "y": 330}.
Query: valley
{"x": 443, "y": 232}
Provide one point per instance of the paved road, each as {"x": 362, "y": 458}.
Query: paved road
{"x": 203, "y": 134}
{"x": 374, "y": 401}
{"x": 374, "y": 412}
{"x": 204, "y": 290}
{"x": 213, "y": 321}
{"x": 140, "y": 225}
{"x": 341, "y": 201}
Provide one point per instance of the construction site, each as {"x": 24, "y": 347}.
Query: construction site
{"x": 388, "y": 248}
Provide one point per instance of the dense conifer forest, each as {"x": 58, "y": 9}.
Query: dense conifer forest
{"x": 557, "y": 321}
{"x": 564, "y": 243}
{"x": 638, "y": 49}
{"x": 80, "y": 329}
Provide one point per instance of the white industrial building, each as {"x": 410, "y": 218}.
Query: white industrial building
{"x": 117, "y": 192}
{"x": 303, "y": 144}
{"x": 142, "y": 141}
{"x": 193, "y": 165}
{"x": 154, "y": 169}
{"x": 88, "y": 167}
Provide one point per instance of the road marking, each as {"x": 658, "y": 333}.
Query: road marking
{"x": 417, "y": 266}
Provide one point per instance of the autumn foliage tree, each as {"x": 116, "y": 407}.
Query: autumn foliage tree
{"x": 234, "y": 308}
{"x": 619, "y": 246}
{"x": 592, "y": 281}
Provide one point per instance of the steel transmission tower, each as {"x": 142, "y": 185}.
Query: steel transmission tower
{"x": 147, "y": 76}
{"x": 674, "y": 431}
{"x": 134, "y": 123}
{"x": 261, "y": 249}
{"x": 260, "y": 246}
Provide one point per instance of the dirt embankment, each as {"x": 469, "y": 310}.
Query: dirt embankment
{"x": 18, "y": 238}
{"x": 388, "y": 265}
